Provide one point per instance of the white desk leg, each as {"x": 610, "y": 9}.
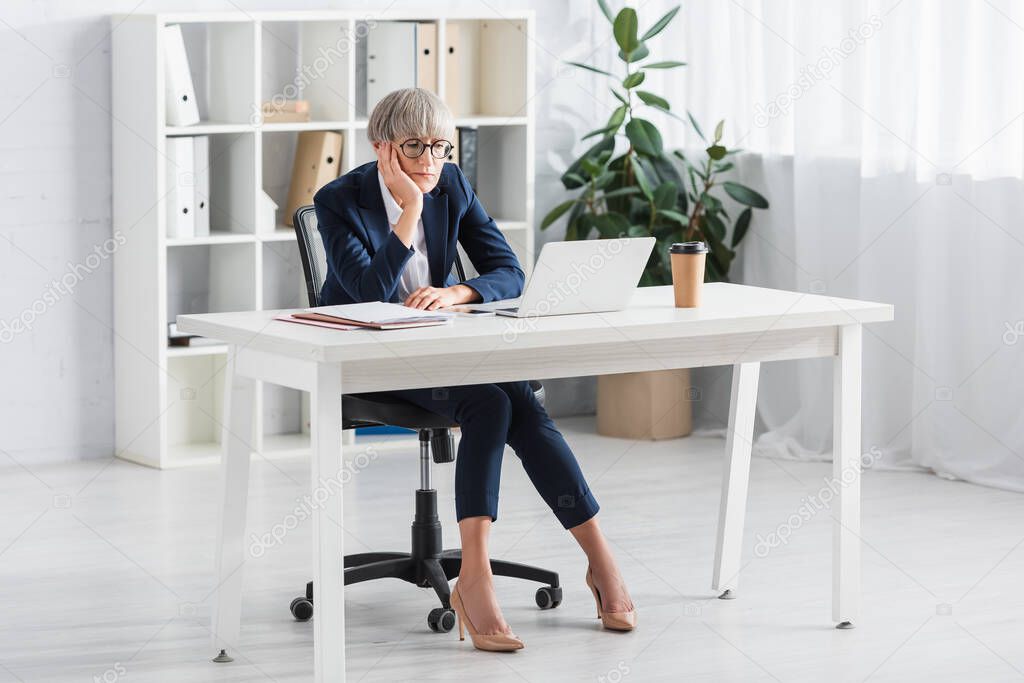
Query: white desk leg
{"x": 236, "y": 445}
{"x": 735, "y": 477}
{"x": 846, "y": 473}
{"x": 328, "y": 516}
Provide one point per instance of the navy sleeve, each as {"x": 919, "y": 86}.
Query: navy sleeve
{"x": 363, "y": 278}
{"x": 501, "y": 276}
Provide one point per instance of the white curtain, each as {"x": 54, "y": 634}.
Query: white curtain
{"x": 889, "y": 138}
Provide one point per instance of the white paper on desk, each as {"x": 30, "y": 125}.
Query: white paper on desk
{"x": 377, "y": 312}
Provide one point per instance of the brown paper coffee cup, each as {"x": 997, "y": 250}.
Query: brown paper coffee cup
{"x": 688, "y": 272}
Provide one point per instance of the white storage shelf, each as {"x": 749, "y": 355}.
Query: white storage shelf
{"x": 169, "y": 398}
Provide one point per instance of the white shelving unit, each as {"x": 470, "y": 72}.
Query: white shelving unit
{"x": 169, "y": 398}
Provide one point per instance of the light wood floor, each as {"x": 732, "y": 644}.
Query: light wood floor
{"x": 106, "y": 574}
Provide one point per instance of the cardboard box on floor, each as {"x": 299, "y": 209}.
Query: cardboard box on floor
{"x": 645, "y": 405}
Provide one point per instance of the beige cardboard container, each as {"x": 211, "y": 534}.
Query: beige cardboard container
{"x": 645, "y": 405}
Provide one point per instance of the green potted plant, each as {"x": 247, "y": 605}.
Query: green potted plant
{"x": 638, "y": 189}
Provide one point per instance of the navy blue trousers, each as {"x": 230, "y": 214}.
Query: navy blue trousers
{"x": 490, "y": 416}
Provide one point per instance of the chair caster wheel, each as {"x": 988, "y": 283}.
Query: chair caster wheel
{"x": 302, "y": 609}
{"x": 844, "y": 625}
{"x": 549, "y": 597}
{"x": 441, "y": 620}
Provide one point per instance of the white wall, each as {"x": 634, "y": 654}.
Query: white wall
{"x": 56, "y": 379}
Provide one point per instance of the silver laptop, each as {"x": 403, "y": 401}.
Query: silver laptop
{"x": 584, "y": 276}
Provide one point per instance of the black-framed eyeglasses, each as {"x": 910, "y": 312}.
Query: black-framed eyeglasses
{"x": 439, "y": 149}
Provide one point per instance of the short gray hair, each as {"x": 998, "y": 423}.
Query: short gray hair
{"x": 410, "y": 113}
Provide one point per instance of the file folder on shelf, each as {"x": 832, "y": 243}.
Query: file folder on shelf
{"x": 467, "y": 157}
{"x": 181, "y": 108}
{"x": 201, "y": 203}
{"x": 453, "y": 88}
{"x": 390, "y": 59}
{"x": 426, "y": 56}
{"x": 180, "y": 177}
{"x": 317, "y": 162}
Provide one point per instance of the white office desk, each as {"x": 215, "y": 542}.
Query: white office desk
{"x": 737, "y": 325}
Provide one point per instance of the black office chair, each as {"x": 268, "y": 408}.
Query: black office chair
{"x": 427, "y": 565}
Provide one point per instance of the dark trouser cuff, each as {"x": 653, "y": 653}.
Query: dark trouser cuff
{"x": 574, "y": 510}
{"x": 476, "y": 504}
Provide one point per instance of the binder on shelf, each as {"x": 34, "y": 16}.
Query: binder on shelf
{"x": 467, "y": 149}
{"x": 201, "y": 203}
{"x": 180, "y": 199}
{"x": 453, "y": 86}
{"x": 426, "y": 56}
{"x": 181, "y": 108}
{"x": 453, "y": 156}
{"x": 390, "y": 62}
{"x": 317, "y": 162}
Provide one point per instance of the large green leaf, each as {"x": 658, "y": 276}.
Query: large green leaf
{"x": 715, "y": 226}
{"x": 663, "y": 65}
{"x": 622, "y": 192}
{"x": 716, "y": 152}
{"x": 633, "y": 80}
{"x": 644, "y": 136}
{"x": 744, "y": 195}
{"x": 556, "y": 213}
{"x": 605, "y": 144}
{"x": 591, "y": 68}
{"x": 611, "y": 224}
{"x": 642, "y": 180}
{"x": 665, "y": 195}
{"x": 675, "y": 216}
{"x": 660, "y": 24}
{"x": 624, "y": 28}
{"x": 653, "y": 100}
{"x": 641, "y": 52}
{"x": 617, "y": 117}
{"x": 604, "y": 180}
{"x": 742, "y": 225}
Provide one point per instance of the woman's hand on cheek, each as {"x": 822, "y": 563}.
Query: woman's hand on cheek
{"x": 404, "y": 189}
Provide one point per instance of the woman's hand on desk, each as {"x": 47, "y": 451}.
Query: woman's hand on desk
{"x": 432, "y": 298}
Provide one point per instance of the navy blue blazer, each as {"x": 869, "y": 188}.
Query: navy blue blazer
{"x": 365, "y": 258}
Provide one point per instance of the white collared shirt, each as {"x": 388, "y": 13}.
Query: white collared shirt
{"x": 417, "y": 268}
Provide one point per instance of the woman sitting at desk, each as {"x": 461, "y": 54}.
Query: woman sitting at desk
{"x": 390, "y": 229}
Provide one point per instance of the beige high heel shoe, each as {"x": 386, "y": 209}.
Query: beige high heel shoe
{"x": 615, "y": 621}
{"x": 497, "y": 642}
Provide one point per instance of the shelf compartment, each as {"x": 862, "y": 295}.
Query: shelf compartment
{"x": 502, "y": 172}
{"x": 283, "y": 283}
{"x": 308, "y": 60}
{"x": 222, "y": 58}
{"x": 213, "y": 278}
{"x": 485, "y": 67}
{"x": 195, "y": 386}
{"x": 277, "y": 166}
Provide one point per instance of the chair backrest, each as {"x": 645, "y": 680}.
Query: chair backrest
{"x": 314, "y": 257}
